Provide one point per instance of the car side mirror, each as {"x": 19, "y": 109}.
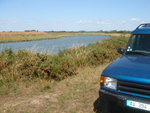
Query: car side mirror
{"x": 120, "y": 50}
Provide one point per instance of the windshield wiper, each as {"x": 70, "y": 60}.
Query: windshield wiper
{"x": 138, "y": 52}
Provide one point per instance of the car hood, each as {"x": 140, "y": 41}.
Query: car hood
{"x": 130, "y": 68}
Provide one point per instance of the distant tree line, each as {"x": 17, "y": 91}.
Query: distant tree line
{"x": 81, "y": 31}
{"x": 30, "y": 30}
{"x": 101, "y": 31}
{"x": 115, "y": 31}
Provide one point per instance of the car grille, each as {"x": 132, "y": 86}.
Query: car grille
{"x": 134, "y": 88}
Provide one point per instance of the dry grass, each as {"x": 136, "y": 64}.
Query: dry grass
{"x": 29, "y": 36}
{"x": 73, "y": 95}
{"x": 21, "y": 33}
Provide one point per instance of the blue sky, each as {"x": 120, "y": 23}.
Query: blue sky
{"x": 73, "y": 15}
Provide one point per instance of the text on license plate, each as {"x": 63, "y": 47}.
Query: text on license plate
{"x": 139, "y": 105}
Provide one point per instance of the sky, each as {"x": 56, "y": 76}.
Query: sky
{"x": 73, "y": 15}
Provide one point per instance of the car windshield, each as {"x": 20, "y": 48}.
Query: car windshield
{"x": 139, "y": 44}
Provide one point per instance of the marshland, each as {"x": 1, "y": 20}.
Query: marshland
{"x": 52, "y": 52}
{"x": 28, "y": 75}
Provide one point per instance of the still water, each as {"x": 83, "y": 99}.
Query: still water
{"x": 54, "y": 45}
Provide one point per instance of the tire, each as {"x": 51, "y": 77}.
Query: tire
{"x": 100, "y": 106}
{"x": 105, "y": 107}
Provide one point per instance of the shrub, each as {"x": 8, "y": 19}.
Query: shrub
{"x": 25, "y": 65}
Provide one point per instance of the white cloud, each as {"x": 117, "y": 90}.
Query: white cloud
{"x": 103, "y": 22}
{"x": 100, "y": 22}
{"x": 2, "y": 21}
{"x": 9, "y": 22}
{"x": 84, "y": 22}
{"x": 135, "y": 19}
{"x": 14, "y": 21}
{"x": 123, "y": 22}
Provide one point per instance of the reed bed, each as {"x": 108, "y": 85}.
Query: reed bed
{"x": 6, "y": 37}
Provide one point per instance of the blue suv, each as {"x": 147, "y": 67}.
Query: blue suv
{"x": 125, "y": 83}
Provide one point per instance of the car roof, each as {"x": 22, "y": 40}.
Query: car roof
{"x": 142, "y": 29}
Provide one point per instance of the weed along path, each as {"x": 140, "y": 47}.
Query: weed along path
{"x": 74, "y": 94}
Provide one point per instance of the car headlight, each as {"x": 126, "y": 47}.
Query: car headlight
{"x": 109, "y": 82}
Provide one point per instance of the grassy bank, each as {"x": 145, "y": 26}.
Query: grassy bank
{"x": 32, "y": 82}
{"x": 25, "y": 65}
{"x": 30, "y": 36}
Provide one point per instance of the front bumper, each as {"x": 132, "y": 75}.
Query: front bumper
{"x": 119, "y": 100}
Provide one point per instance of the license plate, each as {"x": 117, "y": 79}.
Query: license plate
{"x": 139, "y": 105}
